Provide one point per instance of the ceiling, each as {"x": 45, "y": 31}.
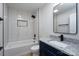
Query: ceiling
{"x": 26, "y": 6}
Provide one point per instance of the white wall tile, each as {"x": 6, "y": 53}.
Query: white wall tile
{"x": 19, "y": 33}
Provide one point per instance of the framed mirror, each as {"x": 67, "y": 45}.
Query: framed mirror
{"x": 65, "y": 18}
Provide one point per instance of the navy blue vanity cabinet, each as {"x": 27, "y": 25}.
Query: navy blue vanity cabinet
{"x": 46, "y": 50}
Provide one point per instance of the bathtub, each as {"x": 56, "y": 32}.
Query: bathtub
{"x": 18, "y": 48}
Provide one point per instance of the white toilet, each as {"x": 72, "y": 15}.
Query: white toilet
{"x": 35, "y": 50}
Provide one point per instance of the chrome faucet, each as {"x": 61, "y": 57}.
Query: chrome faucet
{"x": 34, "y": 38}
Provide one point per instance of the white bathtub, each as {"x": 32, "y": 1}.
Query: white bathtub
{"x": 18, "y": 48}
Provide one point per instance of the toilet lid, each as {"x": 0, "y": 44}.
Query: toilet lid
{"x": 35, "y": 47}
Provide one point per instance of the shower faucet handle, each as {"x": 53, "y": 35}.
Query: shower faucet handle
{"x": 1, "y": 19}
{"x": 34, "y": 37}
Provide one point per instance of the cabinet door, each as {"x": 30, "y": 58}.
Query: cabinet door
{"x": 49, "y": 53}
{"x": 1, "y": 10}
{"x": 44, "y": 51}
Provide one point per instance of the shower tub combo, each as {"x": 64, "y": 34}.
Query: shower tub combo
{"x": 18, "y": 48}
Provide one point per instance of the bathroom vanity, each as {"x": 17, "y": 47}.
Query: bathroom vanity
{"x": 46, "y": 50}
{"x": 53, "y": 47}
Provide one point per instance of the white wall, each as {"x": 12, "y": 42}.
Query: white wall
{"x": 19, "y": 33}
{"x": 46, "y": 23}
{"x": 46, "y": 20}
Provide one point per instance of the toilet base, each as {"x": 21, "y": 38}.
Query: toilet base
{"x": 35, "y": 50}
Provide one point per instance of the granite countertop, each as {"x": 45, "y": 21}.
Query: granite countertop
{"x": 71, "y": 49}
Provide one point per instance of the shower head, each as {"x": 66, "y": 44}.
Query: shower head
{"x": 33, "y": 16}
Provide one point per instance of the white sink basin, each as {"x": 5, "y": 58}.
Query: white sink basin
{"x": 59, "y": 44}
